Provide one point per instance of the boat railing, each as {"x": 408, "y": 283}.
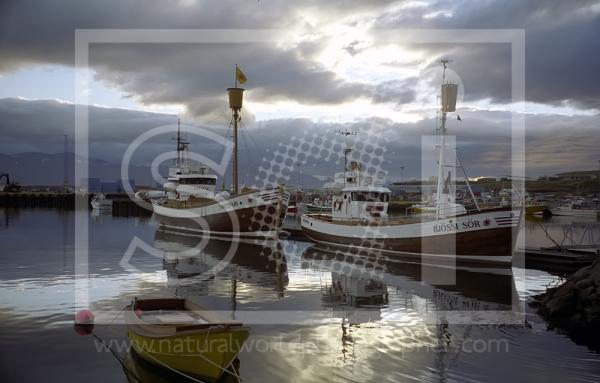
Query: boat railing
{"x": 418, "y": 210}
{"x": 362, "y": 221}
{"x": 393, "y": 220}
{"x": 193, "y": 202}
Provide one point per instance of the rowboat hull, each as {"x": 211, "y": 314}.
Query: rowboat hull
{"x": 202, "y": 355}
{"x": 138, "y": 369}
{"x": 482, "y": 237}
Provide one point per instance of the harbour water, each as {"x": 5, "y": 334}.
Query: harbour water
{"x": 311, "y": 320}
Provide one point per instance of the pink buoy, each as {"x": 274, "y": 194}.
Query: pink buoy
{"x": 84, "y": 322}
{"x": 84, "y": 317}
{"x": 138, "y": 312}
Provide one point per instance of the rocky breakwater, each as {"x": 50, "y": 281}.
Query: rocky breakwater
{"x": 574, "y": 306}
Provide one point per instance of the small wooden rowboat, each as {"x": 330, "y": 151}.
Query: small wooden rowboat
{"x": 178, "y": 334}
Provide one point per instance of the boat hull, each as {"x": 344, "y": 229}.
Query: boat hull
{"x": 535, "y": 209}
{"x": 312, "y": 208}
{"x": 248, "y": 217}
{"x": 482, "y": 237}
{"x": 569, "y": 212}
{"x": 104, "y": 205}
{"x": 204, "y": 355}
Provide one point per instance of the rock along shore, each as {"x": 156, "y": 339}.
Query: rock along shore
{"x": 574, "y": 306}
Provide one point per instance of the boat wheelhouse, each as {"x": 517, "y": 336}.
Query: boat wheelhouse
{"x": 361, "y": 202}
{"x": 188, "y": 180}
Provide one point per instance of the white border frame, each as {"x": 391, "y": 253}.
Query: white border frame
{"x": 85, "y": 37}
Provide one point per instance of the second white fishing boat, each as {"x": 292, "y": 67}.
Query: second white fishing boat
{"x": 359, "y": 218}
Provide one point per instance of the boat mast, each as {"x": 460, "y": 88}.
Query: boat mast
{"x": 65, "y": 166}
{"x": 178, "y": 143}
{"x": 347, "y": 148}
{"x": 236, "y": 96}
{"x": 182, "y": 146}
{"x": 235, "y": 152}
{"x": 441, "y": 143}
{"x": 448, "y": 97}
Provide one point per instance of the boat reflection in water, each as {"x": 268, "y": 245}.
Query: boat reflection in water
{"x": 361, "y": 283}
{"x": 138, "y": 370}
{"x": 369, "y": 291}
{"x": 192, "y": 271}
{"x": 354, "y": 291}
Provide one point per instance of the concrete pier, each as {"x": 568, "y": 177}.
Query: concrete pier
{"x": 38, "y": 199}
{"x": 122, "y": 204}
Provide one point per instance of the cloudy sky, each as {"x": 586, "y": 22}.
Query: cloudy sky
{"x": 325, "y": 69}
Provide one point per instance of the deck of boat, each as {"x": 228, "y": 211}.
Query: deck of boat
{"x": 190, "y": 203}
{"x": 175, "y": 314}
{"x": 193, "y": 202}
{"x": 378, "y": 222}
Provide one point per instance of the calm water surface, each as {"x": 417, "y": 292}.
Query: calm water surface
{"x": 314, "y": 316}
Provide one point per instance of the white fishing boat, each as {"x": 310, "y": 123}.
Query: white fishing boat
{"x": 576, "y": 207}
{"x": 192, "y": 206}
{"x": 359, "y": 218}
{"x": 100, "y": 202}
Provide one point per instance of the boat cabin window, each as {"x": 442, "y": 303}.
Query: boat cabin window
{"x": 370, "y": 196}
{"x": 197, "y": 181}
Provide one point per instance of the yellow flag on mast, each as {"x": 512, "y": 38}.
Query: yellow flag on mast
{"x": 239, "y": 75}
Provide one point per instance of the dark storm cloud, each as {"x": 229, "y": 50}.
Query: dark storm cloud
{"x": 398, "y": 91}
{"x": 483, "y": 142}
{"x": 40, "y": 126}
{"x": 483, "y": 70}
{"x": 193, "y": 75}
{"x": 561, "y": 37}
{"x": 44, "y": 32}
{"x": 562, "y": 48}
{"x": 197, "y": 74}
{"x": 554, "y": 143}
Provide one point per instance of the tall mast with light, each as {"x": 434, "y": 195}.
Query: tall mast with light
{"x": 236, "y": 96}
{"x": 449, "y": 92}
{"x": 347, "y": 148}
